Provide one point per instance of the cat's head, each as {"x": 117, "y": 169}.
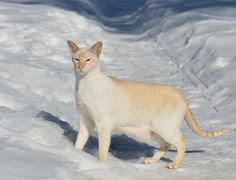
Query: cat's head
{"x": 84, "y": 59}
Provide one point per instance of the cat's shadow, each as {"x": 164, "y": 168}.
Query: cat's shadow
{"x": 122, "y": 146}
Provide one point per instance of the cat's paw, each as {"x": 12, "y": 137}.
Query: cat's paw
{"x": 173, "y": 165}
{"x": 150, "y": 161}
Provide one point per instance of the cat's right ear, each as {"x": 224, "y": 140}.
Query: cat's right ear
{"x": 72, "y": 46}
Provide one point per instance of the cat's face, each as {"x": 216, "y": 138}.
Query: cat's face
{"x": 85, "y": 59}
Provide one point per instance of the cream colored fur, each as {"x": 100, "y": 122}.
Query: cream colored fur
{"x": 143, "y": 110}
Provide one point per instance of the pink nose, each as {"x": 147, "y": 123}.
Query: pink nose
{"x": 81, "y": 66}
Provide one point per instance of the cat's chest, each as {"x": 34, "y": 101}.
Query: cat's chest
{"x": 91, "y": 95}
{"x": 85, "y": 95}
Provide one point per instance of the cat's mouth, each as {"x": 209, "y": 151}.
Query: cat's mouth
{"x": 81, "y": 72}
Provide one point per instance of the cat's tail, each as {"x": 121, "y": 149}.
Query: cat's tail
{"x": 191, "y": 121}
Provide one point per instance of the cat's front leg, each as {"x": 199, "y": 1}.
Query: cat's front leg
{"x": 104, "y": 139}
{"x": 83, "y": 134}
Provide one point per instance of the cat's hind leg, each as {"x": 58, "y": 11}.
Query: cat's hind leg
{"x": 164, "y": 146}
{"x": 180, "y": 146}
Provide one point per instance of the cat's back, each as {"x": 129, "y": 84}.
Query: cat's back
{"x": 147, "y": 89}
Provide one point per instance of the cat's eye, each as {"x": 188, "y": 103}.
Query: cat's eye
{"x": 76, "y": 59}
{"x": 88, "y": 60}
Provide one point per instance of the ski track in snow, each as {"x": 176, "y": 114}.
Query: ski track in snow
{"x": 188, "y": 45}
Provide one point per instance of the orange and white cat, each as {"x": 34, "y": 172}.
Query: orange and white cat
{"x": 144, "y": 110}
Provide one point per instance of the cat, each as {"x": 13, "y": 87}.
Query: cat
{"x": 143, "y": 110}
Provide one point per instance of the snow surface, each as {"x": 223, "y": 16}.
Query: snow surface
{"x": 188, "y": 44}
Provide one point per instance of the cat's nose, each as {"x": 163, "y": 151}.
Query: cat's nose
{"x": 81, "y": 66}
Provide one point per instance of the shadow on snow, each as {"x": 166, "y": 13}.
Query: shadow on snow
{"x": 122, "y": 146}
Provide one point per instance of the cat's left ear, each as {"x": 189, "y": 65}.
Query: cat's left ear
{"x": 96, "y": 48}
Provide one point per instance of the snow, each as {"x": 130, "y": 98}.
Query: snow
{"x": 187, "y": 44}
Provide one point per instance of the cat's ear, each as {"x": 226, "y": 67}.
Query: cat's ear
{"x": 72, "y": 46}
{"x": 96, "y": 48}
